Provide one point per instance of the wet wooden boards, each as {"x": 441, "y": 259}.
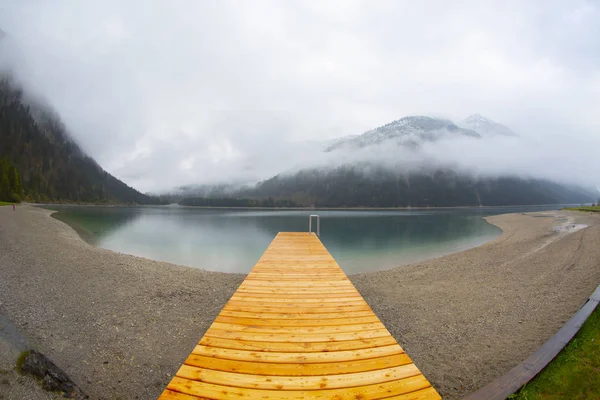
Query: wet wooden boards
{"x": 298, "y": 329}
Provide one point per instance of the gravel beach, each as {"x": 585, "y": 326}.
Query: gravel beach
{"x": 118, "y": 325}
{"x": 121, "y": 325}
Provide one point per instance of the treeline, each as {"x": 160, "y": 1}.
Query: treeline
{"x": 233, "y": 202}
{"x": 51, "y": 166}
{"x": 10, "y": 182}
{"x": 371, "y": 186}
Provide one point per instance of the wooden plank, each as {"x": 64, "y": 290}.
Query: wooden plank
{"x": 377, "y": 391}
{"x": 297, "y": 337}
{"x": 297, "y": 347}
{"x": 301, "y": 300}
{"x": 306, "y": 272}
{"x": 297, "y": 369}
{"x": 294, "y": 269}
{"x": 297, "y": 382}
{"x": 298, "y": 284}
{"x": 276, "y": 301}
{"x": 296, "y": 316}
{"x": 294, "y": 322}
{"x": 314, "y": 295}
{"x": 298, "y": 310}
{"x": 259, "y": 273}
{"x": 297, "y": 328}
{"x": 293, "y": 291}
{"x": 265, "y": 273}
{"x": 294, "y": 358}
{"x": 295, "y": 303}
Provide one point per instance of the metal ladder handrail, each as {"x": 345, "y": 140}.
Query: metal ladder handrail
{"x": 310, "y": 218}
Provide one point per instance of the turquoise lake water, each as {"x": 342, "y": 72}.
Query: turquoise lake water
{"x": 232, "y": 240}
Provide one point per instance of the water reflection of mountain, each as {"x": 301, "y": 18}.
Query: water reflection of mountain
{"x": 233, "y": 240}
{"x": 354, "y": 238}
{"x": 93, "y": 223}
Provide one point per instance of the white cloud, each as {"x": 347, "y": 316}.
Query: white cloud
{"x": 163, "y": 93}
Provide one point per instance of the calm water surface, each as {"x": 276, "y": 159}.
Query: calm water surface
{"x": 233, "y": 240}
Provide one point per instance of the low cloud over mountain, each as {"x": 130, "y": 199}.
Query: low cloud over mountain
{"x": 227, "y": 91}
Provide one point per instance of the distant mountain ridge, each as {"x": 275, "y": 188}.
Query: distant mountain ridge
{"x": 375, "y": 183}
{"x": 223, "y": 190}
{"x": 370, "y": 185}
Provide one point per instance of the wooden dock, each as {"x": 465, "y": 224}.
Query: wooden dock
{"x": 297, "y": 328}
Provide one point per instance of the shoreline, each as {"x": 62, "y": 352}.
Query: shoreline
{"x": 176, "y": 205}
{"x": 84, "y": 234}
{"x": 464, "y": 318}
{"x": 90, "y": 238}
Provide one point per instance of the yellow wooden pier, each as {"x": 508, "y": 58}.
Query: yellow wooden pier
{"x": 297, "y": 328}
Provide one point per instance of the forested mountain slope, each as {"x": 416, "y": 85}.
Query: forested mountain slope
{"x": 51, "y": 166}
{"x": 386, "y": 167}
{"x": 371, "y": 186}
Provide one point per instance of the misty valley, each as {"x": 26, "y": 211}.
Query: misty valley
{"x": 410, "y": 162}
{"x": 402, "y": 164}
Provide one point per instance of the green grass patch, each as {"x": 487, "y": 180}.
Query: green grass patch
{"x": 574, "y": 373}
{"x": 21, "y": 360}
{"x": 584, "y": 208}
{"x": 4, "y": 203}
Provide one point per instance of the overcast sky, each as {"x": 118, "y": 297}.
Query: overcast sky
{"x": 163, "y": 93}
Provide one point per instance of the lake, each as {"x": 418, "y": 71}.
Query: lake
{"x": 231, "y": 240}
